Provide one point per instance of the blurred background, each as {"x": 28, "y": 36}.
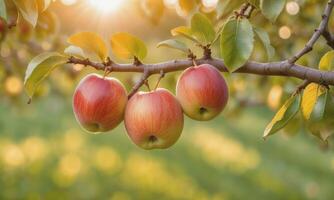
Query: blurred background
{"x": 44, "y": 154}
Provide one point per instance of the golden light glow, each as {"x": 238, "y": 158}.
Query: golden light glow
{"x": 170, "y": 3}
{"x": 106, "y": 6}
{"x": 210, "y": 3}
{"x": 13, "y": 85}
{"x": 284, "y": 32}
{"x": 68, "y": 2}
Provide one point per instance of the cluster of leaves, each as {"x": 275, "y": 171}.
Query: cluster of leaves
{"x": 315, "y": 104}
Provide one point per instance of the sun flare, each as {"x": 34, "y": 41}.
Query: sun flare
{"x": 106, "y": 6}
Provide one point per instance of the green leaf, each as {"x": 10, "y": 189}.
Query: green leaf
{"x": 224, "y": 8}
{"x": 264, "y": 38}
{"x": 91, "y": 42}
{"x": 74, "y": 51}
{"x": 127, "y": 46}
{"x": 202, "y": 28}
{"x": 28, "y": 10}
{"x": 284, "y": 115}
{"x": 236, "y": 42}
{"x": 327, "y": 61}
{"x": 3, "y": 10}
{"x": 271, "y": 9}
{"x": 174, "y": 44}
{"x": 185, "y": 32}
{"x": 312, "y": 102}
{"x": 39, "y": 68}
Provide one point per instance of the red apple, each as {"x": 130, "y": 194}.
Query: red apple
{"x": 154, "y": 120}
{"x": 99, "y": 103}
{"x": 202, "y": 92}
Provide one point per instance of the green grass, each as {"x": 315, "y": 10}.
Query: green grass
{"x": 220, "y": 159}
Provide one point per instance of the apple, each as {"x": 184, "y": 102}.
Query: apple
{"x": 99, "y": 103}
{"x": 2, "y": 26}
{"x": 154, "y": 120}
{"x": 202, "y": 92}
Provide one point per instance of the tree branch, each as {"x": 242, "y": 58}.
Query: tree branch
{"x": 329, "y": 38}
{"x": 318, "y": 32}
{"x": 282, "y": 68}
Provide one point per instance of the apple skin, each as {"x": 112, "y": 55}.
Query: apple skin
{"x": 99, "y": 103}
{"x": 154, "y": 120}
{"x": 202, "y": 92}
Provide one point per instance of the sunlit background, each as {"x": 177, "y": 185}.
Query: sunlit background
{"x": 44, "y": 154}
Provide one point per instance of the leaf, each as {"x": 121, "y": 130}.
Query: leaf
{"x": 174, "y": 44}
{"x": 264, "y": 38}
{"x": 310, "y": 98}
{"x": 224, "y": 8}
{"x": 327, "y": 61}
{"x": 90, "y": 42}
{"x": 74, "y": 51}
{"x": 3, "y": 11}
{"x": 39, "y": 68}
{"x": 186, "y": 6}
{"x": 152, "y": 9}
{"x": 202, "y": 28}
{"x": 184, "y": 32}
{"x": 127, "y": 46}
{"x": 28, "y": 10}
{"x": 284, "y": 115}
{"x": 236, "y": 42}
{"x": 271, "y": 9}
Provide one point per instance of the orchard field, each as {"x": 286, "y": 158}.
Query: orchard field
{"x": 272, "y": 140}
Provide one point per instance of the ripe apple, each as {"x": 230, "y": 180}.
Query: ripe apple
{"x": 99, "y": 103}
{"x": 154, "y": 120}
{"x": 202, "y": 92}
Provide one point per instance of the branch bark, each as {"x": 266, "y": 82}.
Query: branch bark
{"x": 282, "y": 68}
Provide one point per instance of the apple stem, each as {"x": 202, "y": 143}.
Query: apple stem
{"x": 162, "y": 75}
{"x": 147, "y": 85}
{"x": 194, "y": 62}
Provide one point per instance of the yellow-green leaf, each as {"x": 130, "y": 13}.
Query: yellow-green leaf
{"x": 91, "y": 42}
{"x": 127, "y": 46}
{"x": 39, "y": 68}
{"x": 28, "y": 10}
{"x": 184, "y": 32}
{"x": 202, "y": 28}
{"x": 284, "y": 115}
{"x": 174, "y": 44}
{"x": 310, "y": 97}
{"x": 3, "y": 10}
{"x": 186, "y": 6}
{"x": 327, "y": 61}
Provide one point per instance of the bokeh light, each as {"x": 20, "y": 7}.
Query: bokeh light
{"x": 170, "y": 3}
{"x": 292, "y": 8}
{"x": 13, "y": 85}
{"x": 284, "y": 32}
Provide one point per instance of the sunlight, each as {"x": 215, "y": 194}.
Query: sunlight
{"x": 106, "y": 6}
